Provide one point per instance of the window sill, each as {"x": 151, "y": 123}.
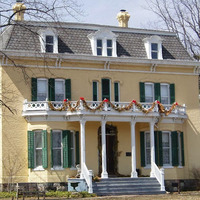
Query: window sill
{"x": 57, "y": 168}
{"x": 39, "y": 168}
{"x": 73, "y": 168}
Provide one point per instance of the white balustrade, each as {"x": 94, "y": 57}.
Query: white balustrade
{"x": 87, "y": 174}
{"x": 159, "y": 175}
{"x": 44, "y": 106}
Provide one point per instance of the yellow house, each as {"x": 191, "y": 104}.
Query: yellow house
{"x": 119, "y": 101}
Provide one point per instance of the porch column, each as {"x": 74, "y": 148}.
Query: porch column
{"x": 104, "y": 173}
{"x": 152, "y": 148}
{"x": 82, "y": 127}
{"x": 133, "y": 151}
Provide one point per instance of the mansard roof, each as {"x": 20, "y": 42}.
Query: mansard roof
{"x": 73, "y": 39}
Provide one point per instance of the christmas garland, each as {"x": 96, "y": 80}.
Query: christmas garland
{"x": 68, "y": 106}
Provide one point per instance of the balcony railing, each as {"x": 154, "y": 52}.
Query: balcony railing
{"x": 92, "y": 106}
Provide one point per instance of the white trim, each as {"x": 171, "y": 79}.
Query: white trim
{"x": 85, "y": 58}
{"x": 42, "y": 38}
{"x": 103, "y": 35}
{"x": 148, "y": 46}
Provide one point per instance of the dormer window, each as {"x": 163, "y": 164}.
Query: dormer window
{"x": 103, "y": 43}
{"x": 153, "y": 46}
{"x": 48, "y": 41}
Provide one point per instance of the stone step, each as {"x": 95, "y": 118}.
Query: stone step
{"x": 126, "y": 186}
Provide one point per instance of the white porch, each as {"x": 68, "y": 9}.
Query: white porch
{"x": 86, "y": 112}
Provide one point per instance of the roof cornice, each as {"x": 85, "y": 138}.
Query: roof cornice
{"x": 96, "y": 59}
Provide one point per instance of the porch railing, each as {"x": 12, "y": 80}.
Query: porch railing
{"x": 44, "y": 106}
{"x": 159, "y": 174}
{"x": 87, "y": 174}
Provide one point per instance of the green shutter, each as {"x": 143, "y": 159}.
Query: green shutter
{"x": 157, "y": 91}
{"x": 30, "y": 149}
{"x": 105, "y": 89}
{"x": 142, "y": 92}
{"x": 156, "y": 144}
{"x": 172, "y": 93}
{"x": 66, "y": 136}
{"x": 174, "y": 138}
{"x": 182, "y": 149}
{"x": 51, "y": 135}
{"x": 68, "y": 89}
{"x": 44, "y": 149}
{"x": 160, "y": 148}
{"x": 52, "y": 89}
{"x": 34, "y": 89}
{"x": 142, "y": 149}
{"x": 77, "y": 148}
{"x": 116, "y": 88}
{"x": 94, "y": 91}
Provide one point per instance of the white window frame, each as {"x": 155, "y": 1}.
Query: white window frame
{"x": 149, "y": 41}
{"x": 58, "y": 167}
{"x": 103, "y": 34}
{"x": 170, "y": 149}
{"x": 40, "y": 167}
{"x": 42, "y": 38}
{"x": 153, "y": 95}
{"x": 168, "y": 90}
{"x": 63, "y": 83}
{"x": 73, "y": 151}
{"x": 46, "y": 85}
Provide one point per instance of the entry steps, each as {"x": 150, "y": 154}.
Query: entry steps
{"x": 127, "y": 186}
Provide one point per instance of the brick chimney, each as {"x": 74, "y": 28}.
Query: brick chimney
{"x": 123, "y": 18}
{"x": 19, "y": 10}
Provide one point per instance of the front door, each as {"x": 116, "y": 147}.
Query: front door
{"x": 111, "y": 150}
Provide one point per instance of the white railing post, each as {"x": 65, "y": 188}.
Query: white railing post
{"x": 162, "y": 187}
{"x": 90, "y": 184}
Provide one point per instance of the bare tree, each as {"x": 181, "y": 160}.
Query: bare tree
{"x": 181, "y": 17}
{"x": 35, "y": 10}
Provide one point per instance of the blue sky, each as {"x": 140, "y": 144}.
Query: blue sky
{"x": 105, "y": 12}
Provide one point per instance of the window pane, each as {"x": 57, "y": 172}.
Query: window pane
{"x": 49, "y": 48}
{"x": 109, "y": 52}
{"x": 38, "y": 155}
{"x": 148, "y": 140}
{"x": 149, "y": 93}
{"x": 41, "y": 90}
{"x": 56, "y": 139}
{"x": 38, "y": 140}
{"x": 59, "y": 90}
{"x": 99, "y": 52}
{"x": 57, "y": 157}
{"x": 99, "y": 43}
{"x": 166, "y": 156}
{"x": 154, "y": 55}
{"x": 165, "y": 94}
{"x": 154, "y": 46}
{"x": 165, "y": 139}
{"x": 148, "y": 156}
{"x": 109, "y": 43}
{"x": 49, "y": 39}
